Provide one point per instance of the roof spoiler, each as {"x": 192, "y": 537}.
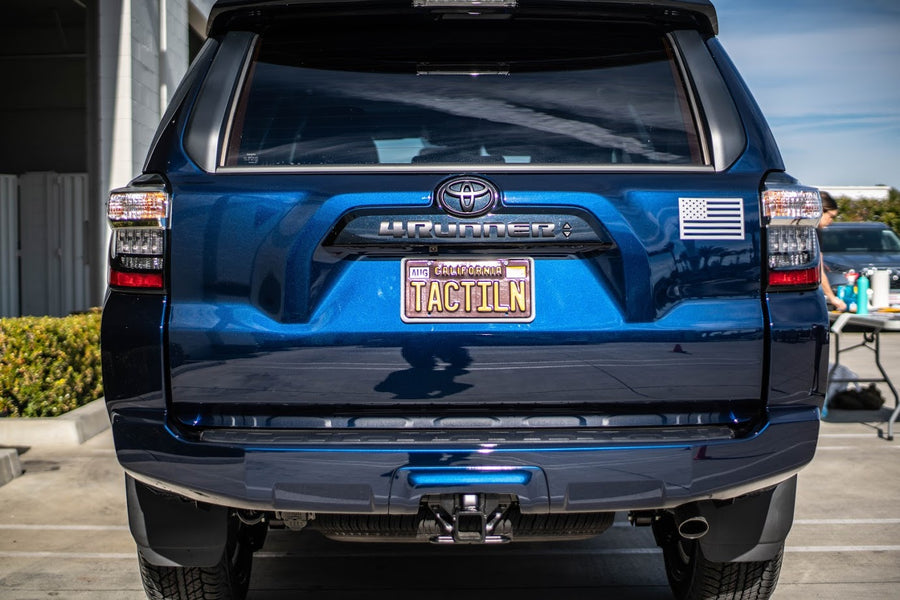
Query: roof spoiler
{"x": 702, "y": 11}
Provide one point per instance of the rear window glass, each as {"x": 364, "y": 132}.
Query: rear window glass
{"x": 450, "y": 93}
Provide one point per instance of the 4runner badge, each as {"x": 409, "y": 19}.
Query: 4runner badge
{"x": 467, "y": 196}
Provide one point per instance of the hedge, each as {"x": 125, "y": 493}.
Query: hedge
{"x": 885, "y": 211}
{"x": 49, "y": 366}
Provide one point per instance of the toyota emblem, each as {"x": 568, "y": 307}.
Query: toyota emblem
{"x": 467, "y": 196}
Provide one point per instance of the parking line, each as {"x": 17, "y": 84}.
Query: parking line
{"x": 827, "y": 549}
{"x": 846, "y": 521}
{"x": 612, "y": 551}
{"x": 18, "y": 527}
{"x": 580, "y": 551}
{"x": 69, "y": 555}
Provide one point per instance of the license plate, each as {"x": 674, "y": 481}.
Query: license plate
{"x": 451, "y": 290}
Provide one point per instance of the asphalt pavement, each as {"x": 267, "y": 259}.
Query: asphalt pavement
{"x": 64, "y": 534}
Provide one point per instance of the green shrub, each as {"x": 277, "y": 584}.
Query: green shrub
{"x": 886, "y": 211}
{"x": 49, "y": 366}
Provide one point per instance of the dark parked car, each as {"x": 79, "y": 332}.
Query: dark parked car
{"x": 862, "y": 247}
{"x": 463, "y": 273}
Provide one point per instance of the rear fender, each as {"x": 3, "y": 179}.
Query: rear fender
{"x": 798, "y": 361}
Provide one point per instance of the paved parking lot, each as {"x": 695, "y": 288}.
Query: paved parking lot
{"x": 63, "y": 534}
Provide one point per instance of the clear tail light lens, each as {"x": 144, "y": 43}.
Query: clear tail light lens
{"x": 130, "y": 205}
{"x": 791, "y": 247}
{"x": 791, "y": 213}
{"x": 800, "y": 203}
{"x": 139, "y": 219}
{"x": 146, "y": 242}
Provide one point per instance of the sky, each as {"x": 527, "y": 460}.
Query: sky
{"x": 826, "y": 74}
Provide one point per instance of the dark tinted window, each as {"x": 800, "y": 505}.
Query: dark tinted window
{"x": 859, "y": 240}
{"x": 577, "y": 93}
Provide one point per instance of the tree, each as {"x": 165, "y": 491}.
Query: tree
{"x": 886, "y": 211}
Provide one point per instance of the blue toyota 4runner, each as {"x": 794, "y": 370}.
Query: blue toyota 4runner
{"x": 463, "y": 272}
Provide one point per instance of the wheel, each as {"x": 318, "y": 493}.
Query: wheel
{"x": 693, "y": 577}
{"x": 227, "y": 580}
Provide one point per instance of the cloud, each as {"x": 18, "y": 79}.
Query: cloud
{"x": 799, "y": 72}
{"x": 825, "y": 73}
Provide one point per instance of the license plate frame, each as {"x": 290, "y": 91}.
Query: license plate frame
{"x": 456, "y": 290}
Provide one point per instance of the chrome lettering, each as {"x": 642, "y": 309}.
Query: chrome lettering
{"x": 465, "y": 230}
{"x": 519, "y": 230}
{"x": 394, "y": 229}
{"x": 419, "y": 229}
{"x": 439, "y": 230}
{"x": 475, "y": 228}
{"x": 543, "y": 230}
{"x": 494, "y": 229}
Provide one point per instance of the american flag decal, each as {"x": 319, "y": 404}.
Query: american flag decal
{"x": 711, "y": 218}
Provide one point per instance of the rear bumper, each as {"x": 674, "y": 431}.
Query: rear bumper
{"x": 391, "y": 477}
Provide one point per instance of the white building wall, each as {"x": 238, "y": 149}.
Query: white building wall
{"x": 174, "y": 57}
{"x": 145, "y": 74}
{"x": 159, "y": 59}
{"x": 858, "y": 192}
{"x": 138, "y": 73}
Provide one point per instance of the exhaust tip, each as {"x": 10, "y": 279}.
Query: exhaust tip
{"x": 693, "y": 528}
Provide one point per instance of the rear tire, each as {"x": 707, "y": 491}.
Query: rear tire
{"x": 229, "y": 579}
{"x": 693, "y": 577}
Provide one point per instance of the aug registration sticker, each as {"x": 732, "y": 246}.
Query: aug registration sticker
{"x": 439, "y": 290}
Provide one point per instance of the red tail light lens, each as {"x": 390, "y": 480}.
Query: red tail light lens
{"x": 135, "y": 280}
{"x": 804, "y": 277}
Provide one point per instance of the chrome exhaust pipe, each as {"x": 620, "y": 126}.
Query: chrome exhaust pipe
{"x": 693, "y": 528}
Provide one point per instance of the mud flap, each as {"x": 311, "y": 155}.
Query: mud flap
{"x": 171, "y": 531}
{"x": 749, "y": 528}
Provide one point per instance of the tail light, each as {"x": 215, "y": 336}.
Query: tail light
{"x": 791, "y": 213}
{"x": 138, "y": 216}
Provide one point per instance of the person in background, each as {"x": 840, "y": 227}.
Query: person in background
{"x": 829, "y": 212}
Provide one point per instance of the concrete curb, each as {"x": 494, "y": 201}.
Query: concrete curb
{"x": 10, "y": 467}
{"x": 70, "y": 429}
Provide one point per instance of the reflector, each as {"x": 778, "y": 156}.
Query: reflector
{"x": 805, "y": 277}
{"x": 135, "y": 280}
